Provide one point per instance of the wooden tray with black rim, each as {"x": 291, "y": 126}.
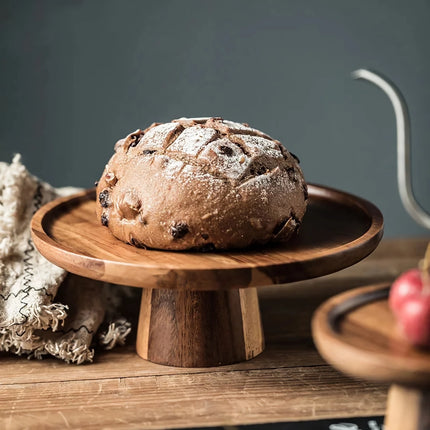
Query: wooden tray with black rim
{"x": 357, "y": 333}
{"x": 201, "y": 309}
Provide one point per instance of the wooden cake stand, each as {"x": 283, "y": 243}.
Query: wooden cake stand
{"x": 201, "y": 309}
{"x": 356, "y": 332}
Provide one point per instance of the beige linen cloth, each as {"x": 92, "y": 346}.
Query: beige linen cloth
{"x": 34, "y": 319}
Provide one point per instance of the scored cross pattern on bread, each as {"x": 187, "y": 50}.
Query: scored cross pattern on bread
{"x": 201, "y": 183}
{"x": 224, "y": 148}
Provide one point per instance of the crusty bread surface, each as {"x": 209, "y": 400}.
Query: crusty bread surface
{"x": 201, "y": 184}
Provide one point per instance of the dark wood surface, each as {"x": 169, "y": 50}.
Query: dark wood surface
{"x": 338, "y": 231}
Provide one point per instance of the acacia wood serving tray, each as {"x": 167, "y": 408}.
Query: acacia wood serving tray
{"x": 338, "y": 230}
{"x": 201, "y": 309}
{"x": 357, "y": 333}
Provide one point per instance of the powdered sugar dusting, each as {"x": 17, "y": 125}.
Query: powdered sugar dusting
{"x": 172, "y": 168}
{"x": 268, "y": 180}
{"x": 190, "y": 176}
{"x": 226, "y": 158}
{"x": 190, "y": 120}
{"x": 257, "y": 145}
{"x": 236, "y": 127}
{"x": 156, "y": 137}
{"x": 218, "y": 148}
{"x": 192, "y": 140}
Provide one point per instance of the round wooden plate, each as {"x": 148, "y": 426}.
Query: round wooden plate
{"x": 338, "y": 230}
{"x": 356, "y": 332}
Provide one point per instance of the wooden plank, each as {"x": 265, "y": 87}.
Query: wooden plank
{"x": 204, "y": 399}
{"x": 124, "y": 362}
{"x": 288, "y": 381}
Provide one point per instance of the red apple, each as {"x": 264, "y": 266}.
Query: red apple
{"x": 414, "y": 318}
{"x": 407, "y": 285}
{"x": 410, "y": 301}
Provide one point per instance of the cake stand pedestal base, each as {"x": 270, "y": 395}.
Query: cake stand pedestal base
{"x": 408, "y": 408}
{"x": 199, "y": 328}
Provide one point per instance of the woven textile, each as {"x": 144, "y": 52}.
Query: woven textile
{"x": 44, "y": 310}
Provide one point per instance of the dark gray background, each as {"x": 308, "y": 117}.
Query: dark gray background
{"x": 78, "y": 75}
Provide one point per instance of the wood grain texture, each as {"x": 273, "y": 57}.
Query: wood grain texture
{"x": 358, "y": 334}
{"x": 288, "y": 381}
{"x": 199, "y": 328}
{"x": 338, "y": 230}
{"x": 408, "y": 408}
{"x": 144, "y": 324}
{"x": 253, "y": 335}
{"x": 367, "y": 343}
{"x": 182, "y": 400}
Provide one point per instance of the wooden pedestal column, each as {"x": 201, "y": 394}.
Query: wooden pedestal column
{"x": 199, "y": 328}
{"x": 408, "y": 408}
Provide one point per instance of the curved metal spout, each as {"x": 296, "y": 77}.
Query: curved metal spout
{"x": 403, "y": 145}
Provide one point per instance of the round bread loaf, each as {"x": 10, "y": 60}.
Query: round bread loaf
{"x": 201, "y": 184}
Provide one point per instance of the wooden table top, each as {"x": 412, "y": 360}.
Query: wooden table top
{"x": 288, "y": 382}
